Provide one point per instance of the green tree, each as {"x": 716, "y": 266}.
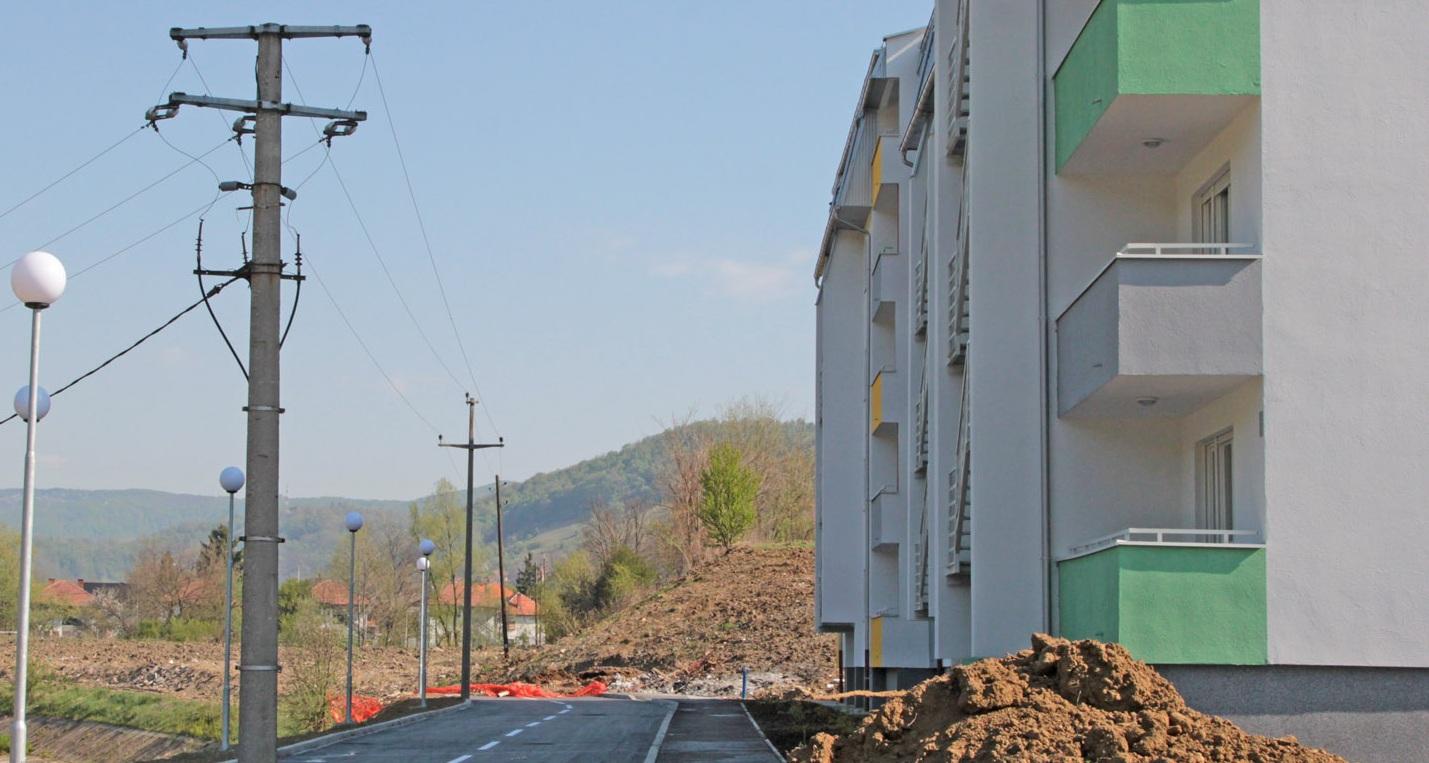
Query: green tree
{"x": 728, "y": 489}
{"x": 529, "y": 576}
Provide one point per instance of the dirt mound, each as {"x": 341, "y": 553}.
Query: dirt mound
{"x": 751, "y": 608}
{"x": 1059, "y": 700}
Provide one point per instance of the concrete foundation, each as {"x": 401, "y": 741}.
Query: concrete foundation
{"x": 1373, "y": 715}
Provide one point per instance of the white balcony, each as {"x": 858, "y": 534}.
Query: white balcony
{"x": 1162, "y": 330}
{"x": 887, "y": 285}
{"x": 886, "y": 519}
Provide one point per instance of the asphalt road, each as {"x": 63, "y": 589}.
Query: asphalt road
{"x": 586, "y": 729}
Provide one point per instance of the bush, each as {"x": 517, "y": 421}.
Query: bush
{"x": 729, "y": 489}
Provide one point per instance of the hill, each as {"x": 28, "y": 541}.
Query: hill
{"x": 95, "y": 534}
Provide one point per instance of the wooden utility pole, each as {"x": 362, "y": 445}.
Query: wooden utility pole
{"x": 501, "y": 576}
{"x": 258, "y": 659}
{"x": 471, "y": 446}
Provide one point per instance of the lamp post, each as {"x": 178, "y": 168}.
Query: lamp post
{"x": 424, "y": 564}
{"x": 353, "y": 523}
{"x": 231, "y": 480}
{"x": 38, "y": 279}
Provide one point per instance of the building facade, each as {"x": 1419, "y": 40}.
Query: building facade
{"x": 1120, "y": 336}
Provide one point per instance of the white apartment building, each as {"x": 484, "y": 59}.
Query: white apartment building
{"x": 1123, "y": 333}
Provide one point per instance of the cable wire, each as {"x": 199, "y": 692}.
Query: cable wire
{"x": 211, "y": 293}
{"x": 124, "y": 201}
{"x": 426, "y": 240}
{"x": 199, "y": 210}
{"x": 68, "y": 175}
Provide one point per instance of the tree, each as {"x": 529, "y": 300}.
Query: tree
{"x": 729, "y": 488}
{"x": 161, "y": 586}
{"x": 530, "y": 575}
{"x": 441, "y": 518}
{"x": 612, "y": 528}
{"x": 680, "y": 531}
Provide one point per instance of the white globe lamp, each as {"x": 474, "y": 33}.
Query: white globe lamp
{"x": 231, "y": 479}
{"x": 353, "y": 521}
{"x": 22, "y": 403}
{"x": 38, "y": 279}
{"x": 427, "y": 547}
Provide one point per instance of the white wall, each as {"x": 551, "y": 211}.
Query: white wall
{"x": 1238, "y": 411}
{"x": 842, "y": 426}
{"x": 1346, "y": 276}
{"x": 1005, "y": 352}
{"x": 1238, "y": 146}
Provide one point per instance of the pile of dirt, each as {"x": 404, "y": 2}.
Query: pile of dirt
{"x": 752, "y": 608}
{"x": 1059, "y": 700}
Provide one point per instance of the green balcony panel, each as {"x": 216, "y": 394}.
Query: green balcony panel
{"x": 1170, "y": 69}
{"x": 1187, "y": 605}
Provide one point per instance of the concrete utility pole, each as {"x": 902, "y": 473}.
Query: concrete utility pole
{"x": 471, "y": 446}
{"x": 501, "y": 576}
{"x": 258, "y": 658}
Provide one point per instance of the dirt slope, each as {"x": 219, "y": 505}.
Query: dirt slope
{"x": 752, "y": 608}
{"x": 1059, "y": 700}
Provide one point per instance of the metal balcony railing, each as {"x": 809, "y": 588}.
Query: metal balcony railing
{"x": 1148, "y": 536}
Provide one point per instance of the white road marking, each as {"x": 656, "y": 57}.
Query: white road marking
{"x": 654, "y": 751}
{"x": 772, "y": 748}
{"x": 459, "y": 760}
{"x": 567, "y": 710}
{"x": 533, "y": 723}
{"x": 549, "y": 718}
{"x": 514, "y": 732}
{"x": 490, "y": 744}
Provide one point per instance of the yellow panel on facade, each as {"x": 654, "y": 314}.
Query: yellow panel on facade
{"x": 875, "y": 403}
{"x": 875, "y": 642}
{"x": 876, "y": 172}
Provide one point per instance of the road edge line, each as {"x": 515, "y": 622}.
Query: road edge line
{"x": 654, "y": 751}
{"x": 772, "y": 748}
{"x": 340, "y": 736}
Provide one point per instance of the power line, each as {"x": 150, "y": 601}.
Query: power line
{"x": 67, "y": 175}
{"x": 201, "y": 209}
{"x": 125, "y": 200}
{"x": 209, "y": 294}
{"x": 422, "y": 226}
{"x": 377, "y": 253}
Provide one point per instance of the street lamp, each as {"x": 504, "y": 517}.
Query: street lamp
{"x": 423, "y": 566}
{"x": 353, "y": 523}
{"x": 231, "y": 480}
{"x": 38, "y": 280}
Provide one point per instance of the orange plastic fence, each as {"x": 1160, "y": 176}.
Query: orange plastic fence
{"x": 365, "y": 707}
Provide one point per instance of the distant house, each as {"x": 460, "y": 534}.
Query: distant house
{"x": 78, "y": 596}
{"x": 522, "y": 615}
{"x": 331, "y": 596}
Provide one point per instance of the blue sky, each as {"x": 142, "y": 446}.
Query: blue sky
{"x": 623, "y": 200}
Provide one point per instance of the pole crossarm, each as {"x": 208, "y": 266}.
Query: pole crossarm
{"x": 286, "y": 31}
{"x": 285, "y": 109}
{"x": 471, "y": 445}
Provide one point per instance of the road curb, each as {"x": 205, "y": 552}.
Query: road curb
{"x": 339, "y": 736}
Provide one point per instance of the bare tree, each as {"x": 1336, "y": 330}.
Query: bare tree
{"x": 161, "y": 585}
{"x": 680, "y": 532}
{"x": 611, "y": 528}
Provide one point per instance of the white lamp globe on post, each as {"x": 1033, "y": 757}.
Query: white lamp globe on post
{"x": 22, "y": 403}
{"x": 424, "y": 566}
{"x": 231, "y": 480}
{"x": 38, "y": 280}
{"x": 353, "y": 523}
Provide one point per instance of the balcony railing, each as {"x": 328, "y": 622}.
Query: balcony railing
{"x": 1162, "y": 536}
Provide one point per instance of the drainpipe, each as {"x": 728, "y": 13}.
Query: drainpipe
{"x": 1042, "y": 317}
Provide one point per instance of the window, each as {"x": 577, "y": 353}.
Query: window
{"x": 1212, "y": 210}
{"x": 1214, "y": 482}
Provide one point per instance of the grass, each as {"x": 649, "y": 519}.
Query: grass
{"x": 790, "y": 723}
{"x": 51, "y": 696}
